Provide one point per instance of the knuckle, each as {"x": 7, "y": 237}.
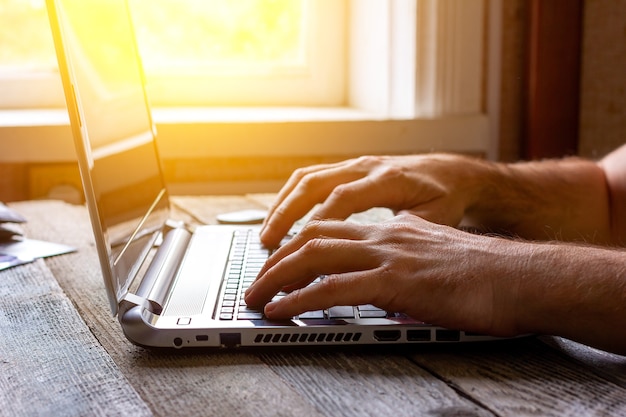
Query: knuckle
{"x": 341, "y": 192}
{"x": 391, "y": 172}
{"x": 403, "y": 225}
{"x": 329, "y": 286}
{"x": 311, "y": 229}
{"x": 314, "y": 246}
{"x": 368, "y": 160}
{"x": 301, "y": 172}
{"x": 295, "y": 297}
{"x": 309, "y": 181}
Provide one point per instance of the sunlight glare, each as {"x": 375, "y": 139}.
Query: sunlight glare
{"x": 219, "y": 36}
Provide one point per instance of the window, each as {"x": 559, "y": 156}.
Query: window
{"x": 245, "y": 52}
{"x": 198, "y": 52}
{"x": 421, "y": 74}
{"x": 27, "y": 58}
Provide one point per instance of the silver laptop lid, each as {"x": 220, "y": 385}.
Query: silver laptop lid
{"x": 113, "y": 133}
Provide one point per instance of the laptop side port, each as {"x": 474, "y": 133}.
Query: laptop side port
{"x": 387, "y": 335}
{"x": 230, "y": 340}
{"x": 445, "y": 335}
{"x": 418, "y": 335}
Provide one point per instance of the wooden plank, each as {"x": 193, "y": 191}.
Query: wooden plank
{"x": 369, "y": 381}
{"x": 171, "y": 382}
{"x": 356, "y": 384}
{"x": 191, "y": 382}
{"x": 50, "y": 364}
{"x": 499, "y": 382}
{"x": 608, "y": 365}
{"x": 525, "y": 377}
{"x": 521, "y": 377}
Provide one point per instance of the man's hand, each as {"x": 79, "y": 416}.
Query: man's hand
{"x": 447, "y": 277}
{"x": 431, "y": 272}
{"x": 438, "y": 188}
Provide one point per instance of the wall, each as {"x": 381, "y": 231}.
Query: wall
{"x": 603, "y": 98}
{"x": 603, "y": 80}
{"x": 514, "y": 35}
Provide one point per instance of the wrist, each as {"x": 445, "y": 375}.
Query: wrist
{"x": 566, "y": 290}
{"x": 525, "y": 297}
{"x": 479, "y": 189}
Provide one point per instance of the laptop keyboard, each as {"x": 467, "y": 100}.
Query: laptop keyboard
{"x": 248, "y": 256}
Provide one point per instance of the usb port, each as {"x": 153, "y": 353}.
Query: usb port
{"x": 418, "y": 335}
{"x": 202, "y": 338}
{"x": 444, "y": 335}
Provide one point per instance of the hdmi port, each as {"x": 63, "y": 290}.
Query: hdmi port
{"x": 387, "y": 335}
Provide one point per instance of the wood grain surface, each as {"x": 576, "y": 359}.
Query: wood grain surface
{"x": 63, "y": 354}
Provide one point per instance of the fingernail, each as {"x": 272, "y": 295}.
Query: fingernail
{"x": 269, "y": 308}
{"x": 248, "y": 291}
{"x": 263, "y": 235}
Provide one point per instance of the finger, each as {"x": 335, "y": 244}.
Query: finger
{"x": 320, "y": 256}
{"x": 357, "y": 196}
{"x": 315, "y": 237}
{"x": 312, "y": 230}
{"x": 291, "y": 183}
{"x": 302, "y": 195}
{"x": 352, "y": 288}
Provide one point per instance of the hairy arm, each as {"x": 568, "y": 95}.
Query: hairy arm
{"x": 490, "y": 285}
{"x": 569, "y": 290}
{"x": 486, "y": 284}
{"x": 564, "y": 200}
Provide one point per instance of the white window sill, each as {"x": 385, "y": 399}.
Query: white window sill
{"x": 44, "y": 135}
{"x": 176, "y": 115}
{"x": 186, "y": 115}
{"x": 33, "y": 118}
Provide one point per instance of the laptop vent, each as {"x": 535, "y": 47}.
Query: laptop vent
{"x": 265, "y": 338}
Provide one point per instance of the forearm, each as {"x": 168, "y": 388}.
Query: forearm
{"x": 577, "y": 292}
{"x": 563, "y": 200}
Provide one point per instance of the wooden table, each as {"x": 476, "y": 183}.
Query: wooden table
{"x": 61, "y": 353}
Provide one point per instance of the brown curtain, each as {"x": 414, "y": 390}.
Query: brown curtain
{"x": 553, "y": 79}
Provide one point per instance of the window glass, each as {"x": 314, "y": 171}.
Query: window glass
{"x": 219, "y": 36}
{"x": 25, "y": 39}
{"x": 196, "y": 35}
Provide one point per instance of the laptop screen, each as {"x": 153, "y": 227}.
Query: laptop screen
{"x": 113, "y": 132}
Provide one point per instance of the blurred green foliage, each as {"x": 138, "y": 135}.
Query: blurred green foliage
{"x": 172, "y": 33}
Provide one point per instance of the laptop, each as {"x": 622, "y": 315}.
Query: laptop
{"x": 169, "y": 284}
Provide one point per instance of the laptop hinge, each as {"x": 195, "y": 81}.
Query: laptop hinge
{"x": 158, "y": 280}
{"x": 131, "y": 300}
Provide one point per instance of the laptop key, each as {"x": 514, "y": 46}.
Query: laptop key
{"x": 341, "y": 312}
{"x": 312, "y": 315}
{"x": 253, "y": 315}
{"x": 372, "y": 314}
